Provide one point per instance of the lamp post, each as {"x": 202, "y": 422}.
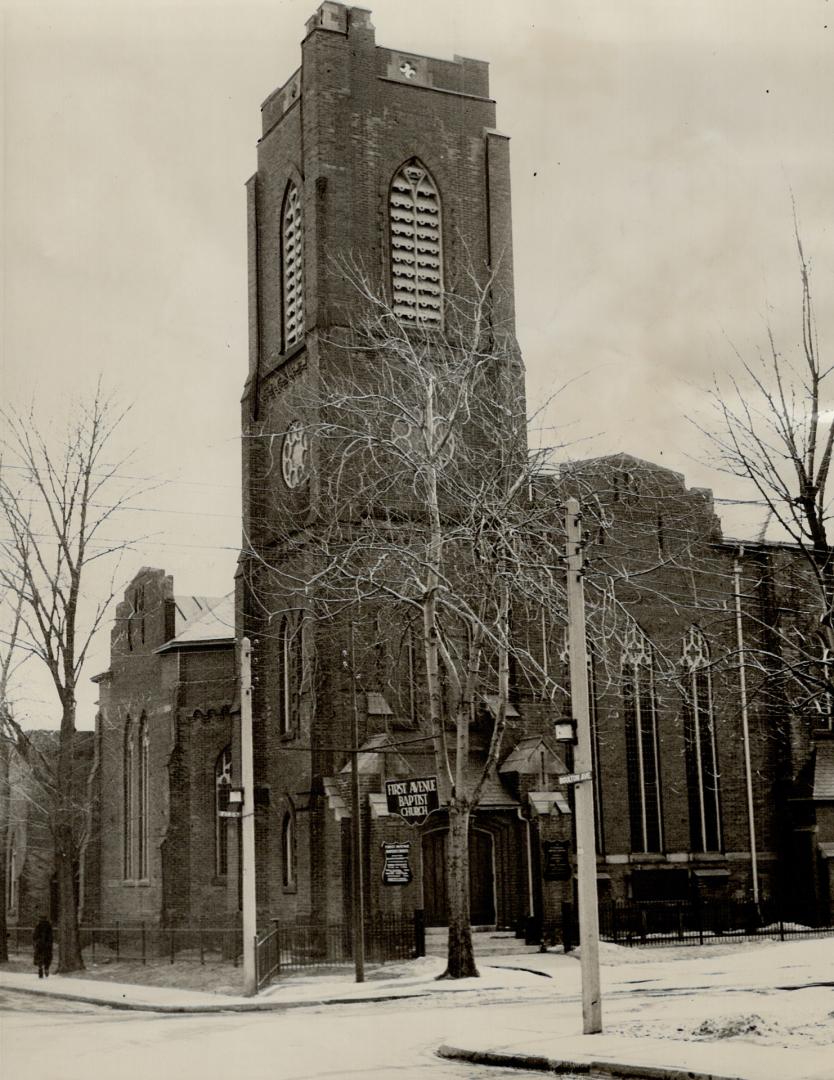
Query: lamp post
{"x": 565, "y": 730}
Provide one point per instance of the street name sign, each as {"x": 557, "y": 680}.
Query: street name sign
{"x": 574, "y": 778}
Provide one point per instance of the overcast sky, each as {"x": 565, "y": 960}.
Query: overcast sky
{"x": 655, "y": 145}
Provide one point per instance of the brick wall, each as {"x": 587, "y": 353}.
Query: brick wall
{"x": 186, "y": 699}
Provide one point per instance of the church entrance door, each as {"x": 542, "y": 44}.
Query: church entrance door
{"x": 481, "y": 878}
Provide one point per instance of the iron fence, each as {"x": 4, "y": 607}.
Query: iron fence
{"x": 289, "y": 947}
{"x": 688, "y": 922}
{"x": 146, "y": 943}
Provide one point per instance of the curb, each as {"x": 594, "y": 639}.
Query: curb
{"x": 229, "y": 1007}
{"x": 243, "y": 1006}
{"x": 604, "y": 1070}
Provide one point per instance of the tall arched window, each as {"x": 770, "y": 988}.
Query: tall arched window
{"x": 290, "y": 673}
{"x": 12, "y": 882}
{"x": 416, "y": 245}
{"x": 699, "y": 737}
{"x": 292, "y": 267}
{"x": 288, "y": 849}
{"x": 142, "y": 798}
{"x": 128, "y": 803}
{"x": 642, "y": 751}
{"x": 222, "y": 787}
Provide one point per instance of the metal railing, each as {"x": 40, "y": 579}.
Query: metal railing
{"x": 290, "y": 947}
{"x": 687, "y": 922}
{"x": 146, "y": 943}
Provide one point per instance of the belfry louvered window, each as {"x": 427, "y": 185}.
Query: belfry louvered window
{"x": 292, "y": 251}
{"x": 416, "y": 245}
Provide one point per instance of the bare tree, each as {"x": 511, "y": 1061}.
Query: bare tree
{"x": 11, "y": 608}
{"x": 426, "y": 504}
{"x": 776, "y": 431}
{"x": 56, "y": 497}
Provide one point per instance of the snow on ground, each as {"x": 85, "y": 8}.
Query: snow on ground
{"x": 726, "y": 1010}
{"x": 727, "y": 993}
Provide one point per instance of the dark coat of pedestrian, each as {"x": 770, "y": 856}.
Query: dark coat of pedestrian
{"x": 42, "y": 946}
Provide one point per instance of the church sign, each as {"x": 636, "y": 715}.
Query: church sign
{"x": 396, "y": 869}
{"x": 556, "y": 862}
{"x": 413, "y": 800}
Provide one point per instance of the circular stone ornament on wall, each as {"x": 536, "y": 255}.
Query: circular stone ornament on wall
{"x": 295, "y": 455}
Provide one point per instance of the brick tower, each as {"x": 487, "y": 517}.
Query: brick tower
{"x": 390, "y": 161}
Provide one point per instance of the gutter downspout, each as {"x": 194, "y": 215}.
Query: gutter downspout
{"x": 745, "y": 727}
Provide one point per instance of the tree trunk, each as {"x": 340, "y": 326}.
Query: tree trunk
{"x": 461, "y": 958}
{"x": 69, "y": 944}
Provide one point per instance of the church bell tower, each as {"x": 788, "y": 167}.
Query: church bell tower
{"x": 380, "y": 158}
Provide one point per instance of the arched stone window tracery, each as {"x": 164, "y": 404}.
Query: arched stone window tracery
{"x": 701, "y": 751}
{"x": 642, "y": 749}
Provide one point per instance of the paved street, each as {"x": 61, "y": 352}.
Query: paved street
{"x": 48, "y": 1040}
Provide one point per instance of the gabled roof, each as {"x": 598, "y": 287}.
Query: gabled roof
{"x": 212, "y": 623}
{"x": 187, "y": 609}
{"x": 531, "y": 756}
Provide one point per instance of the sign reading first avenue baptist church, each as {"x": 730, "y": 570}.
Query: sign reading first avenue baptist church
{"x": 412, "y": 799}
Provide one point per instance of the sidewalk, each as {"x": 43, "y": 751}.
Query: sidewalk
{"x": 414, "y": 979}
{"x": 647, "y": 1059}
{"x": 761, "y": 1013}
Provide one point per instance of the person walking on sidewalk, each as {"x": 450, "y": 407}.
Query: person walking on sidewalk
{"x": 42, "y": 946}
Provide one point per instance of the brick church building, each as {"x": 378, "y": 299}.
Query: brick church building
{"x": 168, "y": 709}
{"x": 380, "y": 158}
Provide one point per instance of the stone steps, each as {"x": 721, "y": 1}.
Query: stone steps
{"x": 485, "y": 943}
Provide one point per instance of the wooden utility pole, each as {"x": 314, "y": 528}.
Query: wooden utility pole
{"x": 358, "y": 900}
{"x": 247, "y": 832}
{"x": 586, "y": 855}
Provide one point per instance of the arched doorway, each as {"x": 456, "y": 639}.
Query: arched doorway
{"x": 481, "y": 878}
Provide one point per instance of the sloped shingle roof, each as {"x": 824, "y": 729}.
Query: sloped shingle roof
{"x": 215, "y": 623}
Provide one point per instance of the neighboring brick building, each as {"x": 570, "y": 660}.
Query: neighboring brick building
{"x": 167, "y": 710}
